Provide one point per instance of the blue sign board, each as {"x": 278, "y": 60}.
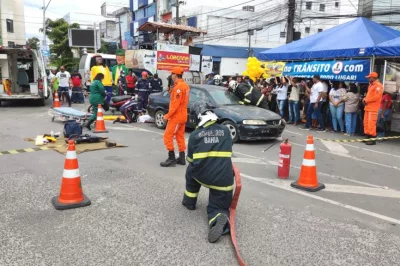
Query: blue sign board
{"x": 45, "y": 53}
{"x": 346, "y": 70}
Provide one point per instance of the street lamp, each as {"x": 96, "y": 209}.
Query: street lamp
{"x": 44, "y": 27}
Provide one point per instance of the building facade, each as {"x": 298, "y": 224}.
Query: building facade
{"x": 12, "y": 23}
{"x": 142, "y": 11}
{"x": 385, "y": 12}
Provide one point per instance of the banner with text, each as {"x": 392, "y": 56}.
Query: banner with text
{"x": 168, "y": 60}
{"x": 194, "y": 62}
{"x": 206, "y": 64}
{"x": 347, "y": 70}
{"x": 273, "y": 69}
{"x": 145, "y": 59}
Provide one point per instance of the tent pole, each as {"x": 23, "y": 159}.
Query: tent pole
{"x": 372, "y": 63}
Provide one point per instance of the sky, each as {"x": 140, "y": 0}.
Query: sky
{"x": 58, "y": 9}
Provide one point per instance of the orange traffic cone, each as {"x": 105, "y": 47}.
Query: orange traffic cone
{"x": 71, "y": 194}
{"x": 308, "y": 180}
{"x": 56, "y": 102}
{"x": 100, "y": 126}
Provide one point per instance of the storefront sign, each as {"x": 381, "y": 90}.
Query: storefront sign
{"x": 168, "y": 60}
{"x": 348, "y": 70}
{"x": 206, "y": 64}
{"x": 141, "y": 59}
{"x": 194, "y": 62}
{"x": 172, "y": 48}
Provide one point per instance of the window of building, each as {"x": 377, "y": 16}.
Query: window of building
{"x": 283, "y": 34}
{"x": 11, "y": 44}
{"x": 322, "y": 7}
{"x": 150, "y": 10}
{"x": 308, "y": 5}
{"x": 319, "y": 30}
{"x": 307, "y": 29}
{"x": 336, "y": 4}
{"x": 10, "y": 25}
{"x": 139, "y": 14}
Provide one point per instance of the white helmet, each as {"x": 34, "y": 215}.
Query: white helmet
{"x": 217, "y": 79}
{"x": 233, "y": 85}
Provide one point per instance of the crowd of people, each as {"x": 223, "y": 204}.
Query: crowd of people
{"x": 325, "y": 105}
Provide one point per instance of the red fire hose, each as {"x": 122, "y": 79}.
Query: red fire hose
{"x": 233, "y": 214}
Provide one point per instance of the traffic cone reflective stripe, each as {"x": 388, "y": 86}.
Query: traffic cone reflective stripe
{"x": 56, "y": 102}
{"x": 308, "y": 174}
{"x": 71, "y": 194}
{"x": 100, "y": 125}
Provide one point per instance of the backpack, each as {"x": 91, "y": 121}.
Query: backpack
{"x": 72, "y": 129}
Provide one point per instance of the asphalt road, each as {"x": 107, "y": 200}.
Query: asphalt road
{"x": 136, "y": 216}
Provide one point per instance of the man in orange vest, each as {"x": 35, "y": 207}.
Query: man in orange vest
{"x": 177, "y": 117}
{"x": 372, "y": 103}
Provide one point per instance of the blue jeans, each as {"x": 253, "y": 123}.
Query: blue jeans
{"x": 64, "y": 90}
{"x": 294, "y": 111}
{"x": 351, "y": 122}
{"x": 282, "y": 105}
{"x": 109, "y": 90}
{"x": 318, "y": 114}
{"x": 385, "y": 118}
{"x": 337, "y": 116}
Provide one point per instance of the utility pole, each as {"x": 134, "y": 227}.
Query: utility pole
{"x": 177, "y": 19}
{"x": 44, "y": 29}
{"x": 120, "y": 33}
{"x": 290, "y": 21}
{"x": 250, "y": 33}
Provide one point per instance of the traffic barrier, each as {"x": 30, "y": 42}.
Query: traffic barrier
{"x": 232, "y": 214}
{"x": 308, "y": 180}
{"x": 100, "y": 125}
{"x": 284, "y": 159}
{"x": 358, "y": 140}
{"x": 71, "y": 194}
{"x": 56, "y": 102}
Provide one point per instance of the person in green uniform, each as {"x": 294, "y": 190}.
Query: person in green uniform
{"x": 116, "y": 70}
{"x": 97, "y": 95}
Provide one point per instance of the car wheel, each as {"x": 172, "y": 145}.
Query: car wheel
{"x": 159, "y": 119}
{"x": 233, "y": 129}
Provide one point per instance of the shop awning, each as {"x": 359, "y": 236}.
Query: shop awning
{"x": 169, "y": 28}
{"x": 356, "y": 38}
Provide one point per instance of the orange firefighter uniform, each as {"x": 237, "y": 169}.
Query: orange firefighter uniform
{"x": 372, "y": 104}
{"x": 177, "y": 114}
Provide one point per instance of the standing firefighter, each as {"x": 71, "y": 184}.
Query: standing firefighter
{"x": 248, "y": 95}
{"x": 143, "y": 88}
{"x": 210, "y": 165}
{"x": 177, "y": 117}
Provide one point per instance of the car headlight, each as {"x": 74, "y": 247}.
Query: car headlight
{"x": 254, "y": 122}
{"x": 282, "y": 122}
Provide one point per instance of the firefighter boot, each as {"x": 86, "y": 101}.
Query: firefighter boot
{"x": 217, "y": 229}
{"x": 171, "y": 161}
{"x": 181, "y": 159}
{"x": 88, "y": 123}
{"x": 190, "y": 207}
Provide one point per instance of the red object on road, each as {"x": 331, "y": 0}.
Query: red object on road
{"x": 284, "y": 160}
{"x": 232, "y": 215}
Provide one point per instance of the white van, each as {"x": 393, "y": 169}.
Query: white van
{"x": 25, "y": 69}
{"x": 84, "y": 64}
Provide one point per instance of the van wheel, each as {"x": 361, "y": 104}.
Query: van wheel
{"x": 41, "y": 102}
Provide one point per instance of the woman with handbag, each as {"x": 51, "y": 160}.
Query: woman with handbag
{"x": 97, "y": 95}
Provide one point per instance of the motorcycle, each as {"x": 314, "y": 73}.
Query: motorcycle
{"x": 115, "y": 104}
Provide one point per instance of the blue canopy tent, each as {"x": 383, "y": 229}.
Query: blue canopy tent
{"x": 356, "y": 38}
{"x": 388, "y": 49}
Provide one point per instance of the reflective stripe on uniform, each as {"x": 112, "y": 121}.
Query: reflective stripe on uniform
{"x": 247, "y": 100}
{"x": 240, "y": 102}
{"x": 259, "y": 100}
{"x": 208, "y": 124}
{"x": 190, "y": 194}
{"x": 212, "y": 219}
{"x": 202, "y": 155}
{"x": 227, "y": 188}
{"x": 249, "y": 92}
{"x": 190, "y": 160}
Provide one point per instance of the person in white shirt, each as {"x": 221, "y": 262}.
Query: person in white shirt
{"x": 64, "y": 78}
{"x": 294, "y": 97}
{"x": 281, "y": 91}
{"x": 336, "y": 105}
{"x": 316, "y": 94}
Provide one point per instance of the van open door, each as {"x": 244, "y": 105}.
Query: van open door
{"x": 42, "y": 82}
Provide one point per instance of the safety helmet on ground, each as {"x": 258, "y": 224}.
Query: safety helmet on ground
{"x": 201, "y": 112}
{"x": 233, "y": 85}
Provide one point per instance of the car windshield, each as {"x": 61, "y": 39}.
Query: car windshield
{"x": 223, "y": 97}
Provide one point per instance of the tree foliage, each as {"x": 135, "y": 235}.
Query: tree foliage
{"x": 33, "y": 43}
{"x": 61, "y": 53}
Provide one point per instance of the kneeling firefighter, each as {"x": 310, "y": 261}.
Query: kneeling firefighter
{"x": 210, "y": 165}
{"x": 248, "y": 95}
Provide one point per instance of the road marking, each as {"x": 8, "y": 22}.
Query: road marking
{"x": 284, "y": 186}
{"x": 23, "y": 150}
{"x": 258, "y": 160}
{"x": 292, "y": 132}
{"x": 369, "y": 150}
{"x": 336, "y": 148}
